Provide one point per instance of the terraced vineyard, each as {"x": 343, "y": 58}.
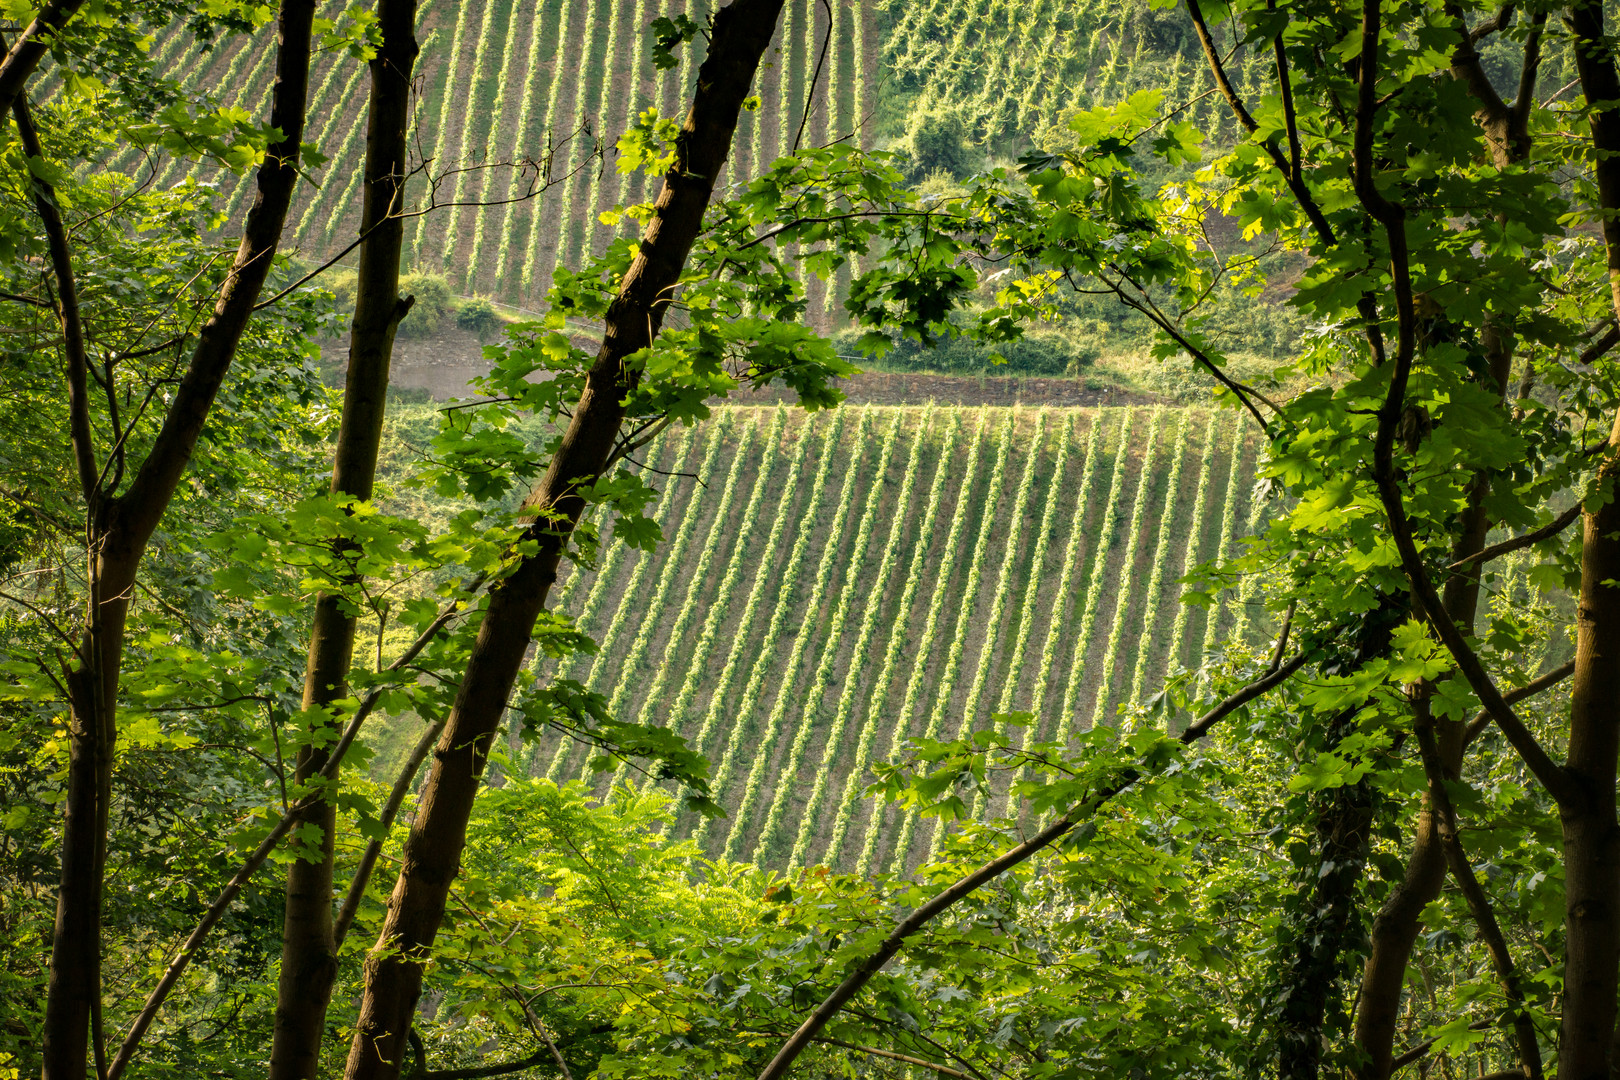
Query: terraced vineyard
{"x": 503, "y": 81}
{"x": 830, "y": 586}
{"x": 1012, "y": 69}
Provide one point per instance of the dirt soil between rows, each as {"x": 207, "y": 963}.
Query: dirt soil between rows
{"x": 444, "y": 363}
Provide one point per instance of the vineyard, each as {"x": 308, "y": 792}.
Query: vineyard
{"x": 503, "y": 83}
{"x": 832, "y": 586}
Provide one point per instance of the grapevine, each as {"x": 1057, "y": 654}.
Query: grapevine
{"x": 925, "y": 645}
{"x": 897, "y": 638}
{"x": 1093, "y": 586}
{"x": 1161, "y": 552}
{"x": 825, "y": 572}
{"x": 946, "y": 688}
{"x": 1133, "y": 540}
{"x": 783, "y": 599}
{"x": 821, "y": 683}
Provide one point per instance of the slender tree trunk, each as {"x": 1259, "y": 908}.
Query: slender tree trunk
{"x": 30, "y": 48}
{"x": 1328, "y": 925}
{"x": 1591, "y": 831}
{"x": 308, "y": 946}
{"x": 119, "y": 530}
{"x": 740, "y": 34}
{"x": 1399, "y": 921}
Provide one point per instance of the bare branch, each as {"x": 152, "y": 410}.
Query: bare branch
{"x": 891, "y": 945}
{"x": 222, "y": 903}
{"x": 1524, "y": 540}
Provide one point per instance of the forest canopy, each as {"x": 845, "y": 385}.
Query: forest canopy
{"x": 650, "y": 709}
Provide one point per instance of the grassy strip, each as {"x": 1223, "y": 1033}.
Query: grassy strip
{"x": 313, "y": 215}
{"x": 452, "y": 79}
{"x": 693, "y": 605}
{"x": 1071, "y": 556}
{"x": 200, "y": 66}
{"x": 875, "y": 593}
{"x": 900, "y": 731}
{"x": 588, "y": 62}
{"x": 633, "y": 101}
{"x": 1073, "y": 551}
{"x": 630, "y": 604}
{"x": 1161, "y": 555}
{"x": 782, "y": 599}
{"x": 1195, "y": 535}
{"x": 756, "y": 595}
{"x": 504, "y": 76}
{"x": 826, "y": 572}
{"x": 503, "y": 250}
{"x": 1093, "y": 588}
{"x": 617, "y": 552}
{"x": 897, "y": 639}
{"x": 585, "y": 214}
{"x": 553, "y": 99}
{"x": 543, "y": 664}
{"x": 652, "y": 615}
{"x": 1228, "y": 529}
{"x": 1251, "y": 582}
{"x": 946, "y": 688}
{"x": 821, "y": 684}
{"x": 472, "y": 109}
{"x": 925, "y": 645}
{"x": 998, "y": 603}
{"x": 1105, "y": 691}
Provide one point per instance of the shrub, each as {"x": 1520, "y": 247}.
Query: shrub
{"x": 478, "y": 316}
{"x": 937, "y": 141}
{"x": 432, "y": 304}
{"x": 1041, "y": 352}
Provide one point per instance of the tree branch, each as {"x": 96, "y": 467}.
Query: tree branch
{"x": 1515, "y": 543}
{"x": 390, "y": 811}
{"x": 222, "y": 903}
{"x": 1482, "y": 719}
{"x": 815, "y": 79}
{"x": 27, "y": 51}
{"x": 891, "y": 945}
{"x": 1479, "y": 905}
{"x": 67, "y": 312}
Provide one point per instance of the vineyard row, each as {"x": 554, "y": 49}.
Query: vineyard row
{"x": 832, "y": 586}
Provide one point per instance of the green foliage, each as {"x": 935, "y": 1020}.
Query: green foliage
{"x": 433, "y": 303}
{"x": 477, "y": 316}
{"x": 936, "y": 141}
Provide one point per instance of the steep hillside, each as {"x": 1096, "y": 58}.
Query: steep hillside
{"x": 831, "y": 586}
{"x": 505, "y": 82}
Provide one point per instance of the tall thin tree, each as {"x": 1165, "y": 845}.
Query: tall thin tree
{"x": 308, "y": 947}
{"x": 739, "y": 35}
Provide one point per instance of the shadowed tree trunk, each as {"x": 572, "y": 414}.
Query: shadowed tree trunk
{"x": 308, "y": 946}
{"x": 740, "y": 34}
{"x": 118, "y": 528}
{"x": 1591, "y": 832}
{"x": 1399, "y": 921}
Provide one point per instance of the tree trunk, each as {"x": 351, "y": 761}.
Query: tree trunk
{"x": 1398, "y": 923}
{"x": 119, "y": 529}
{"x": 1591, "y": 831}
{"x": 740, "y": 35}
{"x": 308, "y": 946}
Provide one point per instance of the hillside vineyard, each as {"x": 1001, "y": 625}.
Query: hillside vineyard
{"x": 832, "y": 585}
{"x": 502, "y": 82}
